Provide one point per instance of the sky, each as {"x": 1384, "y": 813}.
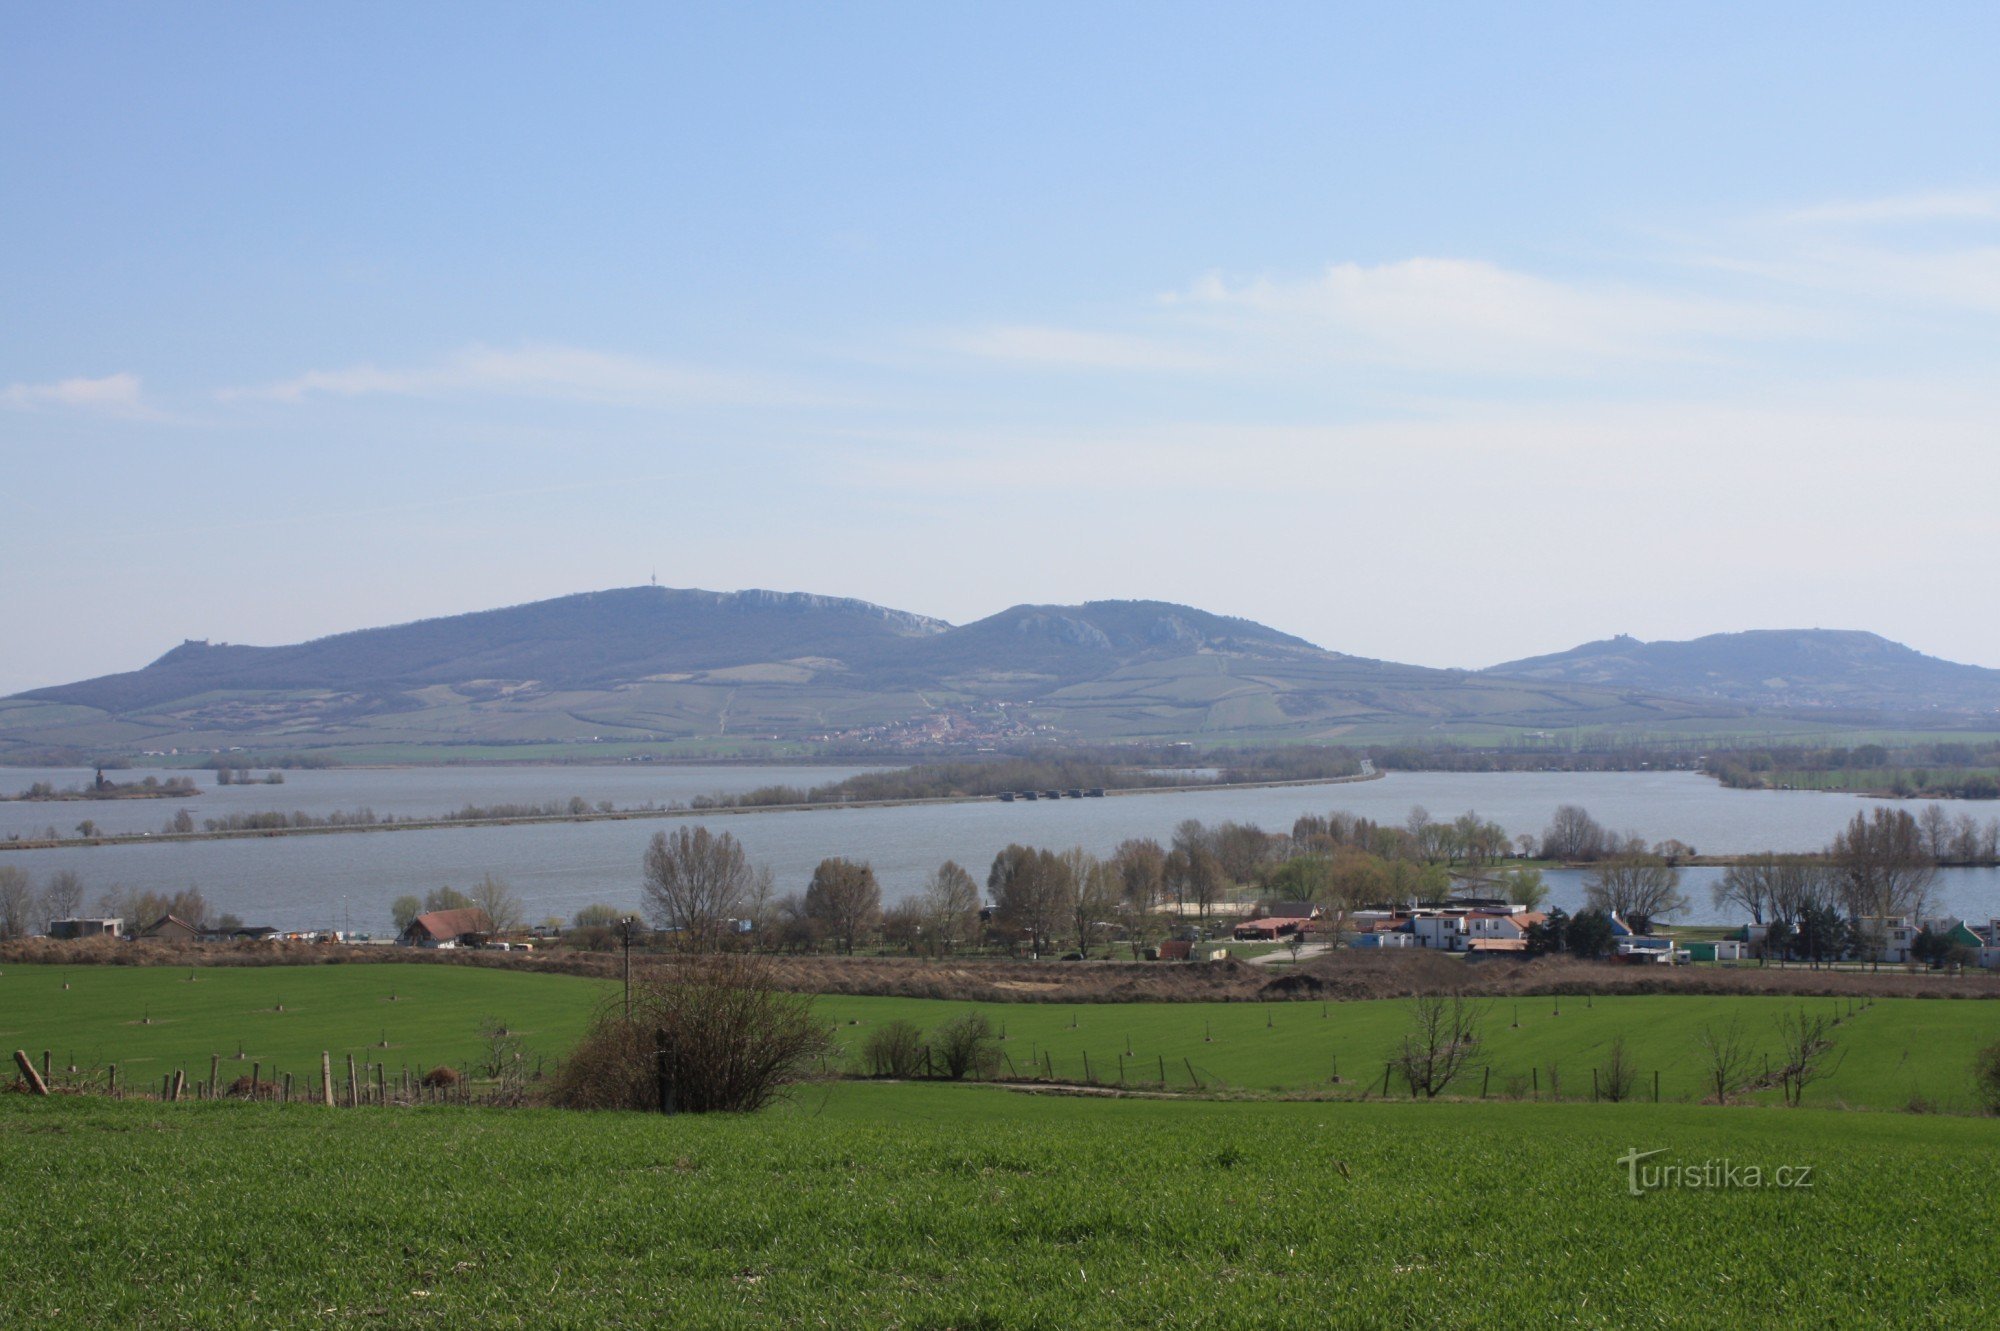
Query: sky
{"x": 1444, "y": 334}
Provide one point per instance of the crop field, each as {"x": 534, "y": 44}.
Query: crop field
{"x": 929, "y": 1206}
{"x": 152, "y": 1020}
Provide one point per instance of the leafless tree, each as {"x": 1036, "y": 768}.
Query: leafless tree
{"x": 1935, "y": 824}
{"x": 1775, "y": 887}
{"x": 1573, "y": 835}
{"x": 497, "y": 902}
{"x": 17, "y": 902}
{"x": 845, "y": 898}
{"x": 1805, "y": 1040}
{"x": 62, "y": 895}
{"x": 694, "y": 880}
{"x": 1093, "y": 899}
{"x": 1031, "y": 891}
{"x": 1618, "y": 1075}
{"x": 1885, "y": 868}
{"x": 1727, "y": 1059}
{"x": 1443, "y": 1035}
{"x": 951, "y": 906}
{"x": 1194, "y": 877}
{"x": 1637, "y": 887}
{"x": 965, "y": 1047}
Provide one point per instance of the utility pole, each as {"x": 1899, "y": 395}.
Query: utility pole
{"x": 625, "y": 925}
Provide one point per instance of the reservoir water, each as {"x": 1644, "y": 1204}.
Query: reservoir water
{"x": 350, "y": 879}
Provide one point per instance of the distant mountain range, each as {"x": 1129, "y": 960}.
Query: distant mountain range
{"x": 1774, "y": 668}
{"x": 652, "y": 668}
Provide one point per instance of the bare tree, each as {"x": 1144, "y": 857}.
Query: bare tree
{"x": 1636, "y": 887}
{"x": 1805, "y": 1040}
{"x": 62, "y": 895}
{"x": 1031, "y": 892}
{"x": 1727, "y": 1057}
{"x": 845, "y": 898}
{"x": 1885, "y": 868}
{"x": 1573, "y": 835}
{"x": 1093, "y": 899}
{"x": 1444, "y": 1033}
{"x": 1194, "y": 876}
{"x": 951, "y": 906}
{"x": 1142, "y": 867}
{"x": 492, "y": 897}
{"x": 17, "y": 902}
{"x": 1935, "y": 824}
{"x": 694, "y": 880}
{"x": 1619, "y": 1075}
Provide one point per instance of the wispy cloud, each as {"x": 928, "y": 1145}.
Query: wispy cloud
{"x": 1469, "y": 315}
{"x": 1445, "y": 315}
{"x": 112, "y": 395}
{"x": 1933, "y": 206}
{"x": 559, "y": 373}
{"x": 1076, "y": 348}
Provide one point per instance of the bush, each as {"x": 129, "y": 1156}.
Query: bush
{"x": 732, "y": 1041}
{"x": 966, "y": 1047}
{"x": 442, "y": 1075}
{"x": 894, "y": 1050}
{"x": 1986, "y": 1079}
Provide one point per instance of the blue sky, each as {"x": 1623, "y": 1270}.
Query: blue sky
{"x": 1426, "y": 333}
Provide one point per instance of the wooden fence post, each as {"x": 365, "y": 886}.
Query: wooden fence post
{"x": 214, "y": 1071}
{"x": 36, "y": 1086}
{"x": 45, "y": 1067}
{"x": 1656, "y": 1086}
{"x": 1387, "y": 1068}
{"x": 111, "y": 1080}
{"x": 1593, "y": 1085}
{"x": 256, "y": 1078}
{"x": 288, "y": 1088}
{"x": 1086, "y": 1069}
{"x": 326, "y": 1078}
{"x": 1191, "y": 1073}
{"x": 1485, "y": 1080}
{"x": 1163, "y": 1072}
{"x": 352, "y": 1099}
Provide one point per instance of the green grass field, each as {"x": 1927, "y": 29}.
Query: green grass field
{"x": 978, "y": 1207}
{"x": 150, "y": 1021}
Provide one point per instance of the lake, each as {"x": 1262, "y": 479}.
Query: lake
{"x": 350, "y": 879}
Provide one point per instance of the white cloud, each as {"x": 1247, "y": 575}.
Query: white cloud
{"x": 1472, "y": 316}
{"x": 572, "y": 374}
{"x": 113, "y": 394}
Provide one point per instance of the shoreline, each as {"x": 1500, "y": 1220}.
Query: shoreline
{"x": 628, "y": 815}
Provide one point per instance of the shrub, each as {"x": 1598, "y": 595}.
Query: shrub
{"x": 894, "y": 1050}
{"x": 1617, "y": 1077}
{"x": 442, "y": 1075}
{"x": 730, "y": 1039}
{"x": 1986, "y": 1079}
{"x": 966, "y": 1047}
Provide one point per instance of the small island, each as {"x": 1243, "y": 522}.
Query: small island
{"x": 103, "y": 788}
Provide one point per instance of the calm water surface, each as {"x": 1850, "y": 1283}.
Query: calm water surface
{"x": 317, "y": 881}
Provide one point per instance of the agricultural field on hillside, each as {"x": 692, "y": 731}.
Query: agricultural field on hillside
{"x": 151, "y": 1020}
{"x": 979, "y": 1207}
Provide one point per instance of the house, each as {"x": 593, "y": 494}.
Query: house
{"x": 1290, "y": 910}
{"x": 1718, "y": 949}
{"x": 1176, "y": 949}
{"x": 1269, "y": 930}
{"x": 105, "y": 928}
{"x": 466, "y": 927}
{"x": 1631, "y": 945}
{"x": 254, "y": 933}
{"x": 1887, "y": 938}
{"x": 171, "y": 929}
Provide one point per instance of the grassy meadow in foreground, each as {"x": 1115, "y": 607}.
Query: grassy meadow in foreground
{"x": 152, "y": 1020}
{"x": 965, "y": 1206}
